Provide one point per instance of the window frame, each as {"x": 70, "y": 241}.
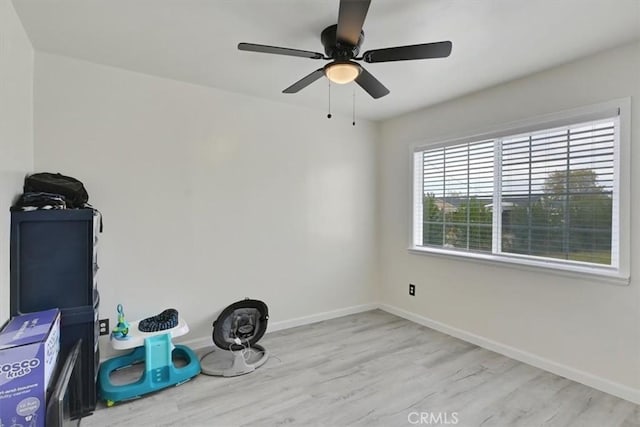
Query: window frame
{"x": 619, "y": 274}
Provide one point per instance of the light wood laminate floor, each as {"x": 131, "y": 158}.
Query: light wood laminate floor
{"x": 375, "y": 369}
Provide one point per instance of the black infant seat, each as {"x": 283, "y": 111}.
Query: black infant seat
{"x": 236, "y": 333}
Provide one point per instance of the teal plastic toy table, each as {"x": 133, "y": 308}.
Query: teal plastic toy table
{"x": 157, "y": 352}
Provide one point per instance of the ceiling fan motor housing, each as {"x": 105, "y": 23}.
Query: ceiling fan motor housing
{"x": 337, "y": 49}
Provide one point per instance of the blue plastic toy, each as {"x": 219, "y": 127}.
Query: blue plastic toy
{"x": 157, "y": 351}
{"x": 121, "y": 330}
{"x": 160, "y": 372}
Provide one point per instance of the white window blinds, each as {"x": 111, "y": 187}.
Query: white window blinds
{"x": 458, "y": 190}
{"x": 558, "y": 191}
{"x": 546, "y": 194}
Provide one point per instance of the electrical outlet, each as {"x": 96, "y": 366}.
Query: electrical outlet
{"x": 412, "y": 289}
{"x": 103, "y": 324}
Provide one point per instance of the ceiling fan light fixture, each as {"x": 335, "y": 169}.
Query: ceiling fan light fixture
{"x": 342, "y": 72}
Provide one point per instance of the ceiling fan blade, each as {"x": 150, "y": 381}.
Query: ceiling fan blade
{"x": 305, "y": 81}
{"x": 351, "y": 17}
{"x": 371, "y": 85}
{"x": 251, "y": 47}
{"x": 404, "y": 53}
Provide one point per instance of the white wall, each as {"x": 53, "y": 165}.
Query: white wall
{"x": 209, "y": 197}
{"x": 591, "y": 328}
{"x": 16, "y": 128}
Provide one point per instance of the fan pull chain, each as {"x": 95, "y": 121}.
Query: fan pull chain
{"x": 353, "y": 123}
{"x": 329, "y": 114}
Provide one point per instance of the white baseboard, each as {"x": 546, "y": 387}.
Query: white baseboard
{"x": 599, "y": 383}
{"x": 201, "y": 342}
{"x": 197, "y": 343}
{"x": 319, "y": 317}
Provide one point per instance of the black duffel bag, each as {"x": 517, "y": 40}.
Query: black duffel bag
{"x": 73, "y": 190}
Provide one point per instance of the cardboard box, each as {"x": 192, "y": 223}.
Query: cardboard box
{"x": 29, "y": 347}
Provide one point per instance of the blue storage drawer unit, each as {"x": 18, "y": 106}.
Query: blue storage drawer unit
{"x": 52, "y": 259}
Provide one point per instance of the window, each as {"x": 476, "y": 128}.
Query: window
{"x": 457, "y": 196}
{"x": 544, "y": 195}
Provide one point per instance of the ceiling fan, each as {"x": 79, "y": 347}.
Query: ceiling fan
{"x": 342, "y": 45}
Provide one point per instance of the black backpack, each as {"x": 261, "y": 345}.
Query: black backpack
{"x": 74, "y": 193}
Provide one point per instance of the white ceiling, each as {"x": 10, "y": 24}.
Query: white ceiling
{"x": 195, "y": 41}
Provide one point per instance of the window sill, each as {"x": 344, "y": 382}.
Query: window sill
{"x": 602, "y": 274}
